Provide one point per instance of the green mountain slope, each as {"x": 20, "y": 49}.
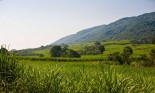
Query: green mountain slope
{"x": 138, "y": 27}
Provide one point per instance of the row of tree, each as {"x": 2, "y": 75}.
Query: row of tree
{"x": 143, "y": 41}
{"x": 124, "y": 57}
{"x": 121, "y": 58}
{"x": 58, "y": 51}
{"x": 95, "y": 49}
{"x": 63, "y": 51}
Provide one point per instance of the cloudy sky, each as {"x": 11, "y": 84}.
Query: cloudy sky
{"x": 32, "y": 23}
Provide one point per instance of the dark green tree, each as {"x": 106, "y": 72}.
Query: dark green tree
{"x": 101, "y": 48}
{"x": 97, "y": 43}
{"x": 152, "y": 55}
{"x": 72, "y": 53}
{"x": 93, "y": 50}
{"x": 55, "y": 51}
{"x": 64, "y": 52}
{"x": 3, "y": 51}
{"x": 127, "y": 51}
{"x": 115, "y": 57}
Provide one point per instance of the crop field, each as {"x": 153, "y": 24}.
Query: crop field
{"x": 88, "y": 74}
{"x": 90, "y": 77}
{"x": 69, "y": 67}
{"x": 110, "y": 47}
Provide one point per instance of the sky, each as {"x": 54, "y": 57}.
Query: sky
{"x": 33, "y": 23}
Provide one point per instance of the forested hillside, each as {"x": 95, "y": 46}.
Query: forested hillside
{"x": 131, "y": 28}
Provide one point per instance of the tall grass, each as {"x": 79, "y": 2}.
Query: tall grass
{"x": 15, "y": 78}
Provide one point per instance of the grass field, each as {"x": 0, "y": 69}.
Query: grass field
{"x": 94, "y": 77}
{"x": 74, "y": 77}
{"x": 69, "y": 67}
{"x": 110, "y": 47}
{"x": 87, "y": 74}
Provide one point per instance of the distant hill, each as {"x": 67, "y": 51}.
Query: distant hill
{"x": 138, "y": 27}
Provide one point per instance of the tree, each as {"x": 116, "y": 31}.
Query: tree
{"x": 152, "y": 55}
{"x": 93, "y": 50}
{"x": 3, "y": 51}
{"x": 64, "y": 52}
{"x": 72, "y": 53}
{"x": 127, "y": 51}
{"x": 55, "y": 51}
{"x": 101, "y": 48}
{"x": 121, "y": 58}
{"x": 115, "y": 57}
{"x": 97, "y": 43}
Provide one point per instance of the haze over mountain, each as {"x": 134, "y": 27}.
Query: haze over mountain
{"x": 137, "y": 27}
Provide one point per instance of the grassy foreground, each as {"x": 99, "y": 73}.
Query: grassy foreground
{"x": 76, "y": 77}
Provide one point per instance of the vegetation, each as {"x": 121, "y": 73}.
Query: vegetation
{"x": 93, "y": 50}
{"x": 65, "y": 77}
{"x": 121, "y": 58}
{"x": 131, "y": 28}
{"x": 148, "y": 60}
{"x": 3, "y": 50}
{"x": 150, "y": 40}
{"x": 57, "y": 51}
{"x": 97, "y": 71}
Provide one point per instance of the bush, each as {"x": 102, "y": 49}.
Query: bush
{"x": 72, "y": 54}
{"x": 152, "y": 55}
{"x": 145, "y": 61}
{"x": 57, "y": 51}
{"x": 115, "y": 57}
{"x": 121, "y": 58}
{"x": 92, "y": 50}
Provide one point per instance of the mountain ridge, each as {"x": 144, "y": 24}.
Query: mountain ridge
{"x": 136, "y": 27}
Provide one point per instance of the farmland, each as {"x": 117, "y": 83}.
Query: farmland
{"x": 83, "y": 77}
{"x": 88, "y": 74}
{"x": 110, "y": 47}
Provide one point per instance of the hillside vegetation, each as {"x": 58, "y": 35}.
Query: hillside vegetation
{"x": 110, "y": 47}
{"x": 130, "y": 28}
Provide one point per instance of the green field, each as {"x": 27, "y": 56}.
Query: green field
{"x": 88, "y": 74}
{"x": 69, "y": 67}
{"x": 92, "y": 77}
{"x": 110, "y": 47}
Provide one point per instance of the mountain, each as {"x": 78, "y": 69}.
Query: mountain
{"x": 137, "y": 27}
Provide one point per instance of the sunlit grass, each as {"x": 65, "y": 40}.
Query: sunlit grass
{"x": 110, "y": 47}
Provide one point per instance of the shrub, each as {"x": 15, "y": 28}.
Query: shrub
{"x": 93, "y": 50}
{"x": 127, "y": 51}
{"x": 121, "y": 58}
{"x": 71, "y": 53}
{"x": 55, "y": 51}
{"x": 115, "y": 57}
{"x": 97, "y": 43}
{"x": 152, "y": 55}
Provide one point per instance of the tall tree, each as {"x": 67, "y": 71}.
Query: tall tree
{"x": 127, "y": 51}
{"x": 56, "y": 51}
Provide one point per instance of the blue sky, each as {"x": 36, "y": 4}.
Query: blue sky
{"x": 32, "y": 23}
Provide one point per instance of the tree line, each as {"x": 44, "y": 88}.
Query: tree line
{"x": 124, "y": 58}
{"x": 63, "y": 51}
